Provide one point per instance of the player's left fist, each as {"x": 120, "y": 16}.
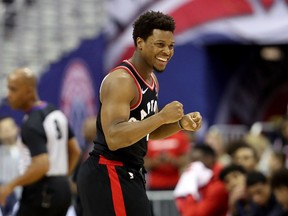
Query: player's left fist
{"x": 191, "y": 121}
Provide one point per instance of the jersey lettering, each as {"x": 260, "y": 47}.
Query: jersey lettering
{"x": 151, "y": 107}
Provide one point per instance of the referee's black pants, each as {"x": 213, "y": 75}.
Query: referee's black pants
{"x": 51, "y": 196}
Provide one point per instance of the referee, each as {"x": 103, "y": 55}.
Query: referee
{"x": 53, "y": 148}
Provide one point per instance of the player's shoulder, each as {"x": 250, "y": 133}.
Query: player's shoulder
{"x": 119, "y": 76}
{"x": 120, "y": 72}
{"x": 118, "y": 83}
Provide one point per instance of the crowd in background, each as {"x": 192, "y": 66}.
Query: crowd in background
{"x": 211, "y": 176}
{"x": 243, "y": 176}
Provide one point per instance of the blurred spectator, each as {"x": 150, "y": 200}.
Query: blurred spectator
{"x": 260, "y": 192}
{"x": 263, "y": 148}
{"x": 279, "y": 184}
{"x": 14, "y": 158}
{"x": 281, "y": 143}
{"x": 276, "y": 161}
{"x": 199, "y": 190}
{"x": 234, "y": 177}
{"x": 215, "y": 139}
{"x": 244, "y": 155}
{"x": 165, "y": 159}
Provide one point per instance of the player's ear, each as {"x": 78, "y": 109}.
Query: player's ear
{"x": 140, "y": 43}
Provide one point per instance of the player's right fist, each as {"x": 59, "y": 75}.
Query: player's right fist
{"x": 172, "y": 112}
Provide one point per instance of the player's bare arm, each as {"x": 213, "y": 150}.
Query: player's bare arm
{"x": 118, "y": 93}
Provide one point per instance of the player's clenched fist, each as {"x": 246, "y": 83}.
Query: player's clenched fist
{"x": 191, "y": 121}
{"x": 172, "y": 112}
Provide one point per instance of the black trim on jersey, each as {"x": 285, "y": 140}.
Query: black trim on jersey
{"x": 132, "y": 155}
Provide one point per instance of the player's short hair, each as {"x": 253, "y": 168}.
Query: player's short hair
{"x": 150, "y": 20}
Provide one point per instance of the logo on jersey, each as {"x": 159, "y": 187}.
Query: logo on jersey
{"x": 144, "y": 91}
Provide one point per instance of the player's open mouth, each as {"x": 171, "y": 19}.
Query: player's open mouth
{"x": 162, "y": 59}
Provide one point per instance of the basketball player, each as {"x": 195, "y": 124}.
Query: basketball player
{"x": 111, "y": 181}
{"x": 53, "y": 148}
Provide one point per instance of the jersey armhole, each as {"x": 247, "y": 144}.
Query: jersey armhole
{"x": 133, "y": 106}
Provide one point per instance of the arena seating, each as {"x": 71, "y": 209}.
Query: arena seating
{"x": 44, "y": 31}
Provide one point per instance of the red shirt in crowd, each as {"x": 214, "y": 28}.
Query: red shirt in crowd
{"x": 166, "y": 174}
{"x": 213, "y": 201}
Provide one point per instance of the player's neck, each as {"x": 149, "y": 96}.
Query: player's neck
{"x": 142, "y": 68}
